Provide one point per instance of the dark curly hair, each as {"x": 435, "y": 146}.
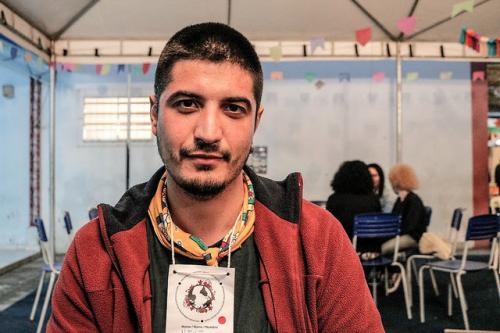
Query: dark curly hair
{"x": 381, "y": 184}
{"x": 352, "y": 177}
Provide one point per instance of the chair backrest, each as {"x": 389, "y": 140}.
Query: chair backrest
{"x": 428, "y": 215}
{"x": 456, "y": 219}
{"x": 92, "y": 213}
{"x": 67, "y": 223}
{"x": 482, "y": 227}
{"x": 42, "y": 235}
{"x": 374, "y": 225}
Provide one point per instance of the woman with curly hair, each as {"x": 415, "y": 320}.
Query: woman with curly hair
{"x": 353, "y": 194}
{"x": 409, "y": 205}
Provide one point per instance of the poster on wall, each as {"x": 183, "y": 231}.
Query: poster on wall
{"x": 258, "y": 160}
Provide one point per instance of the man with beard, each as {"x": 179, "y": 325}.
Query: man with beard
{"x": 272, "y": 261}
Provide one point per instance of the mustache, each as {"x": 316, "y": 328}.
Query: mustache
{"x": 202, "y": 146}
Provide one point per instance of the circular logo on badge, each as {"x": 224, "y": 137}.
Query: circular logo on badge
{"x": 199, "y": 297}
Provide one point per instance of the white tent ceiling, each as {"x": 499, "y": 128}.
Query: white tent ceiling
{"x": 257, "y": 19}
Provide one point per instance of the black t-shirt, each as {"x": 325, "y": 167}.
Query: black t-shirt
{"x": 249, "y": 316}
{"x": 412, "y": 213}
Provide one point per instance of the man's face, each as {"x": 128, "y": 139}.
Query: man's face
{"x": 204, "y": 122}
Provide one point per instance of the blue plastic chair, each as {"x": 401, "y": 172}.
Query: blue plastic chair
{"x": 48, "y": 267}
{"x": 93, "y": 213}
{"x": 481, "y": 227}
{"x": 453, "y": 230}
{"x": 381, "y": 225}
{"x": 68, "y": 225}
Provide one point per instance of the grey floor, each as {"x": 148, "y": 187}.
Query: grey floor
{"x": 19, "y": 282}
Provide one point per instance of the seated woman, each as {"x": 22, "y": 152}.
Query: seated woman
{"x": 353, "y": 194}
{"x": 409, "y": 205}
{"x": 386, "y": 199}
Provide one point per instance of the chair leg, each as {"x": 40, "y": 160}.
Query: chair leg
{"x": 497, "y": 280}
{"x": 463, "y": 303}
{"x": 48, "y": 297}
{"x": 405, "y": 291}
{"x": 450, "y": 300}
{"x": 421, "y": 292}
{"x": 434, "y": 284}
{"x": 37, "y": 296}
{"x": 386, "y": 281}
{"x": 414, "y": 266}
{"x": 408, "y": 273}
{"x": 454, "y": 285}
{"x": 374, "y": 286}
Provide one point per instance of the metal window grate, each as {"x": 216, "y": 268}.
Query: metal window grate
{"x": 105, "y": 118}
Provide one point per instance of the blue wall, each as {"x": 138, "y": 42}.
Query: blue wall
{"x": 307, "y": 126}
{"x": 14, "y": 147}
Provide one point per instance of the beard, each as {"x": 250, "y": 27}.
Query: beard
{"x": 197, "y": 187}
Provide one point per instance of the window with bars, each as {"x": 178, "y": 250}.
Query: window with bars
{"x": 105, "y": 118}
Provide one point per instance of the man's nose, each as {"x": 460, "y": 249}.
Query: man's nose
{"x": 208, "y": 127}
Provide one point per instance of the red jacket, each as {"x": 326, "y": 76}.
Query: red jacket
{"x": 311, "y": 278}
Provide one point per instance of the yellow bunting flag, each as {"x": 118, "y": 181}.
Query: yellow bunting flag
{"x": 105, "y": 69}
{"x": 276, "y": 53}
{"x": 464, "y": 6}
{"x": 445, "y": 76}
{"x": 412, "y": 76}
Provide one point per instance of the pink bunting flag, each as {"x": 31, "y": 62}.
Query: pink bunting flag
{"x": 364, "y": 35}
{"x": 145, "y": 68}
{"x": 98, "y": 69}
{"x": 477, "y": 76}
{"x": 407, "y": 24}
{"x": 28, "y": 57}
{"x": 276, "y": 75}
{"x": 68, "y": 67}
{"x": 378, "y": 76}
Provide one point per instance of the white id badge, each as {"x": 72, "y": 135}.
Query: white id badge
{"x": 200, "y": 299}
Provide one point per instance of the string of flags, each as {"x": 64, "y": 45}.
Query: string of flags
{"x": 12, "y": 52}
{"x": 482, "y": 44}
{"x": 106, "y": 69}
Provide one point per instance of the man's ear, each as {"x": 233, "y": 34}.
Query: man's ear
{"x": 257, "y": 118}
{"x": 153, "y": 113}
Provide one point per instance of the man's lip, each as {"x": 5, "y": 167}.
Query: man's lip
{"x": 205, "y": 156}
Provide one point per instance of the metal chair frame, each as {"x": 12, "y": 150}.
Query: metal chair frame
{"x": 480, "y": 227}
{"x": 381, "y": 225}
{"x": 49, "y": 267}
{"x": 452, "y": 237}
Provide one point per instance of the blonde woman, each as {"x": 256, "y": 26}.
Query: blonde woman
{"x": 409, "y": 205}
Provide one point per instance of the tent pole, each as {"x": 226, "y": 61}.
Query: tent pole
{"x": 399, "y": 113}
{"x": 129, "y": 116}
{"x": 52, "y": 147}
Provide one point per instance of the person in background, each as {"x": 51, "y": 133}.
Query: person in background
{"x": 409, "y": 205}
{"x": 378, "y": 178}
{"x": 353, "y": 194}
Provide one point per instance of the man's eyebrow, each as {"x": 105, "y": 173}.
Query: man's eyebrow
{"x": 183, "y": 93}
{"x": 243, "y": 100}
